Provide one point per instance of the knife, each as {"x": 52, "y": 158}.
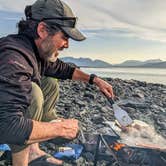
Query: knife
{"x": 121, "y": 115}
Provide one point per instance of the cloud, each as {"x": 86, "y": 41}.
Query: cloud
{"x": 17, "y": 6}
{"x": 143, "y": 19}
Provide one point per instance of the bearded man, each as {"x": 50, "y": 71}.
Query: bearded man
{"x": 29, "y": 67}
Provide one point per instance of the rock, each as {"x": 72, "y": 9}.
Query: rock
{"x": 134, "y": 104}
{"x": 80, "y": 103}
{"x": 89, "y": 95}
{"x": 106, "y": 109}
{"x": 138, "y": 93}
{"x": 97, "y": 119}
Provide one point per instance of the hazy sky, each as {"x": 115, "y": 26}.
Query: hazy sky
{"x": 116, "y": 30}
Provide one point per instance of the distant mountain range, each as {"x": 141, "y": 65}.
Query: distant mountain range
{"x": 87, "y": 62}
{"x": 131, "y": 63}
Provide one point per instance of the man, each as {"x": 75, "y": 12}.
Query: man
{"x": 28, "y": 88}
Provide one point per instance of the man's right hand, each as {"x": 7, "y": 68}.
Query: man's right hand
{"x": 68, "y": 128}
{"x": 42, "y": 131}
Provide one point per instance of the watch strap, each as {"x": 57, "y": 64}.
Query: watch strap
{"x": 91, "y": 79}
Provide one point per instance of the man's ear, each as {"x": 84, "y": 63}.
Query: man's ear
{"x": 42, "y": 30}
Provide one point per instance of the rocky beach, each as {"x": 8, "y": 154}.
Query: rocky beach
{"x": 143, "y": 101}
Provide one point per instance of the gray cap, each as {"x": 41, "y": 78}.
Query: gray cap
{"x": 56, "y": 13}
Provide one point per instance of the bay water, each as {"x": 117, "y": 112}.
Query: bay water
{"x": 150, "y": 75}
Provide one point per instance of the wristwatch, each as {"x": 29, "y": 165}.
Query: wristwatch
{"x": 92, "y": 76}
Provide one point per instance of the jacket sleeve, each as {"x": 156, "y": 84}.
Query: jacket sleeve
{"x": 15, "y": 95}
{"x": 59, "y": 69}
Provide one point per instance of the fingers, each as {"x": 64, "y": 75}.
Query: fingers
{"x": 104, "y": 87}
{"x": 108, "y": 91}
{"x": 69, "y": 128}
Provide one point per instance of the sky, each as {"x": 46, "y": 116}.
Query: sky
{"x": 116, "y": 30}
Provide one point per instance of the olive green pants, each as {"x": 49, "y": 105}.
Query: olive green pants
{"x": 43, "y": 103}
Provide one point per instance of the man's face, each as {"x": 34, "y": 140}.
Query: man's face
{"x": 51, "y": 45}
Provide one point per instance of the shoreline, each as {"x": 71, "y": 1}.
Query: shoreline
{"x": 138, "y": 74}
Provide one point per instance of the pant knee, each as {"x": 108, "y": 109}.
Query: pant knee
{"x": 36, "y": 107}
{"x": 37, "y": 95}
{"x": 50, "y": 87}
{"x": 51, "y": 82}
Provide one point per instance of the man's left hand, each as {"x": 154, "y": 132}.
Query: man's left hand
{"x": 104, "y": 87}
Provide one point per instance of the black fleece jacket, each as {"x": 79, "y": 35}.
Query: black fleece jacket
{"x": 20, "y": 64}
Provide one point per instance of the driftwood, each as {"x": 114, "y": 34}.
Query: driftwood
{"x": 150, "y": 146}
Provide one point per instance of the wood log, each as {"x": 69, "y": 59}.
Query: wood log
{"x": 150, "y": 146}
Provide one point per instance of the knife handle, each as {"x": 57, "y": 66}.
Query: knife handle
{"x": 111, "y": 100}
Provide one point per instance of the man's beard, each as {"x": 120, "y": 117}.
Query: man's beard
{"x": 47, "y": 50}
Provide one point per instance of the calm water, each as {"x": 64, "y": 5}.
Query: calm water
{"x": 153, "y": 75}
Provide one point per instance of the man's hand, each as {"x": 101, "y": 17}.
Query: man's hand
{"x": 104, "y": 87}
{"x": 42, "y": 131}
{"x": 69, "y": 128}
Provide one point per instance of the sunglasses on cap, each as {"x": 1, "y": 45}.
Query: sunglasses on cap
{"x": 61, "y": 21}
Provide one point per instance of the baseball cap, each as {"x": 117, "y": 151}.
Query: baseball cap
{"x": 58, "y": 14}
